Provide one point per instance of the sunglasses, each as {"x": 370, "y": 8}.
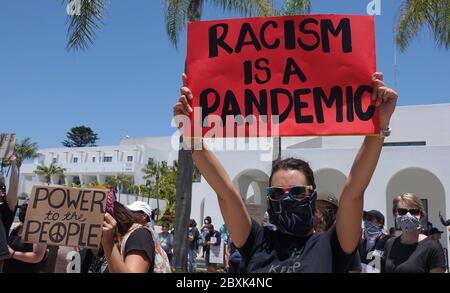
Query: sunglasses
{"x": 296, "y": 192}
{"x": 402, "y": 212}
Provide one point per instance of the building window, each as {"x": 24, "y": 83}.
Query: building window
{"x": 54, "y": 160}
{"x": 150, "y": 161}
{"x": 107, "y": 159}
{"x": 405, "y": 143}
{"x": 129, "y": 158}
{"x": 93, "y": 159}
{"x": 75, "y": 159}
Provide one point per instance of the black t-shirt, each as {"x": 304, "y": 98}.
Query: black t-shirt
{"x": 379, "y": 247}
{"x": 193, "y": 245}
{"x": 4, "y": 252}
{"x": 267, "y": 251}
{"x": 420, "y": 257}
{"x": 355, "y": 264}
{"x": 17, "y": 266}
{"x": 141, "y": 240}
{"x": 7, "y": 216}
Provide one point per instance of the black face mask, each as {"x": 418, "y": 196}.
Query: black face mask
{"x": 293, "y": 217}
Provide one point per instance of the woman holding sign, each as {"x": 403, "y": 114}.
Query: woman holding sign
{"x": 294, "y": 246}
{"x": 128, "y": 246}
{"x": 25, "y": 257}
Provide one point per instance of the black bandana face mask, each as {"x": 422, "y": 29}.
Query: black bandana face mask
{"x": 292, "y": 216}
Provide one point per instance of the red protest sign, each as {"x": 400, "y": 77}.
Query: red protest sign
{"x": 313, "y": 72}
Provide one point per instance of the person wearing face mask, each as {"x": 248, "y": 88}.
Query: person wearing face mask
{"x": 411, "y": 252}
{"x": 294, "y": 247}
{"x": 204, "y": 231}
{"x": 371, "y": 248}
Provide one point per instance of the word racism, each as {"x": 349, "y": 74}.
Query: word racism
{"x": 313, "y": 73}
{"x": 65, "y": 216}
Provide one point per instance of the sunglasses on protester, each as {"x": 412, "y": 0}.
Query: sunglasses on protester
{"x": 413, "y": 212}
{"x": 297, "y": 192}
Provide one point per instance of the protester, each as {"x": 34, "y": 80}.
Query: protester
{"x": 436, "y": 234}
{"x": 327, "y": 206}
{"x": 371, "y": 248}
{"x": 204, "y": 230}
{"x": 193, "y": 238}
{"x": 4, "y": 252}
{"x": 8, "y": 200}
{"x": 129, "y": 247}
{"x": 25, "y": 257}
{"x": 411, "y": 252}
{"x": 294, "y": 247}
{"x": 211, "y": 239}
{"x": 166, "y": 240}
{"x": 232, "y": 258}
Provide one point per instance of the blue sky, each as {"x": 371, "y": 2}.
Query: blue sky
{"x": 128, "y": 81}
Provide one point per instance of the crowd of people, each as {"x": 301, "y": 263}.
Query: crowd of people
{"x": 302, "y": 231}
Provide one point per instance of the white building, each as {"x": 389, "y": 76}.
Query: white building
{"x": 416, "y": 159}
{"x": 97, "y": 164}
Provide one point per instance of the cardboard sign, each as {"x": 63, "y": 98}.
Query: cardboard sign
{"x": 312, "y": 73}
{"x": 7, "y": 144}
{"x": 65, "y": 216}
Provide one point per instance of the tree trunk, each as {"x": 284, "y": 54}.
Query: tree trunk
{"x": 184, "y": 183}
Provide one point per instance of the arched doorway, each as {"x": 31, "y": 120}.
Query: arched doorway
{"x": 424, "y": 184}
{"x": 330, "y": 180}
{"x": 252, "y": 185}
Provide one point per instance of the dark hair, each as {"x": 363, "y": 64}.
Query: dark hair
{"x": 165, "y": 224}
{"x": 192, "y": 223}
{"x": 3, "y": 187}
{"x": 294, "y": 164}
{"x": 324, "y": 216}
{"x": 208, "y": 218}
{"x": 125, "y": 218}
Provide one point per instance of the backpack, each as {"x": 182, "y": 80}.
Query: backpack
{"x": 162, "y": 264}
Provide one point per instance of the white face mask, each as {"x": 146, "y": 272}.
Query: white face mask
{"x": 408, "y": 222}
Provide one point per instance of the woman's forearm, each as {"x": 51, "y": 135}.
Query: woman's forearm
{"x": 35, "y": 256}
{"x": 348, "y": 219}
{"x": 363, "y": 166}
{"x": 230, "y": 201}
{"x": 11, "y": 196}
{"x": 114, "y": 259}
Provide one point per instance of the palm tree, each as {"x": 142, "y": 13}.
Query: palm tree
{"x": 48, "y": 172}
{"x": 120, "y": 182}
{"x": 416, "y": 14}
{"x": 25, "y": 150}
{"x": 82, "y": 27}
{"x": 156, "y": 170}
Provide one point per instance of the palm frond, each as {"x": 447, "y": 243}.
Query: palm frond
{"x": 415, "y": 14}
{"x": 292, "y": 7}
{"x": 82, "y": 28}
{"x": 246, "y": 7}
{"x": 176, "y": 16}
